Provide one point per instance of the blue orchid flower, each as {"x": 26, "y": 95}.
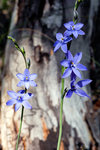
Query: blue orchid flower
{"x": 72, "y": 64}
{"x": 26, "y": 79}
{"x": 61, "y": 42}
{"x": 76, "y": 90}
{"x": 73, "y": 29}
{"x": 19, "y": 98}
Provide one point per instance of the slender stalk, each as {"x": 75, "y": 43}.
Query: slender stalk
{"x": 60, "y": 127}
{"x": 22, "y": 105}
{"x": 20, "y": 127}
{"x": 61, "y": 111}
{"x": 22, "y": 112}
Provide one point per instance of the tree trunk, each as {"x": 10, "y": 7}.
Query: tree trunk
{"x": 34, "y": 25}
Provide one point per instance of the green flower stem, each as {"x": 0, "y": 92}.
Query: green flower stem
{"x": 61, "y": 111}
{"x": 60, "y": 127}
{"x": 22, "y": 112}
{"x": 20, "y": 127}
{"x": 22, "y": 106}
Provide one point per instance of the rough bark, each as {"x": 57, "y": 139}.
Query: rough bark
{"x": 32, "y": 22}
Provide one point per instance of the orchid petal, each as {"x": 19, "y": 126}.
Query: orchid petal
{"x": 76, "y": 72}
{"x": 71, "y": 23}
{"x": 69, "y": 93}
{"x": 70, "y": 56}
{"x": 73, "y": 76}
{"x": 75, "y": 33}
{"x": 57, "y": 46}
{"x": 67, "y": 25}
{"x": 56, "y": 43}
{"x": 64, "y": 63}
{"x": 26, "y": 104}
{"x": 82, "y": 83}
{"x": 12, "y": 94}
{"x": 80, "y": 32}
{"x": 67, "y": 73}
{"x": 20, "y": 83}
{"x": 64, "y": 48}
{"x": 81, "y": 67}
{"x": 27, "y": 96}
{"x": 17, "y": 106}
{"x": 20, "y": 76}
{"x": 26, "y": 72}
{"x": 59, "y": 36}
{"x": 11, "y": 102}
{"x": 26, "y": 84}
{"x": 81, "y": 93}
{"x": 32, "y": 76}
{"x": 72, "y": 84}
{"x": 67, "y": 33}
{"x": 77, "y": 57}
{"x": 21, "y": 91}
{"x": 32, "y": 83}
{"x": 78, "y": 26}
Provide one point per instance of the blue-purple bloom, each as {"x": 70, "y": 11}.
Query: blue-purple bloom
{"x": 19, "y": 98}
{"x": 76, "y": 90}
{"x": 73, "y": 29}
{"x": 61, "y": 42}
{"x": 72, "y": 64}
{"x": 26, "y": 79}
